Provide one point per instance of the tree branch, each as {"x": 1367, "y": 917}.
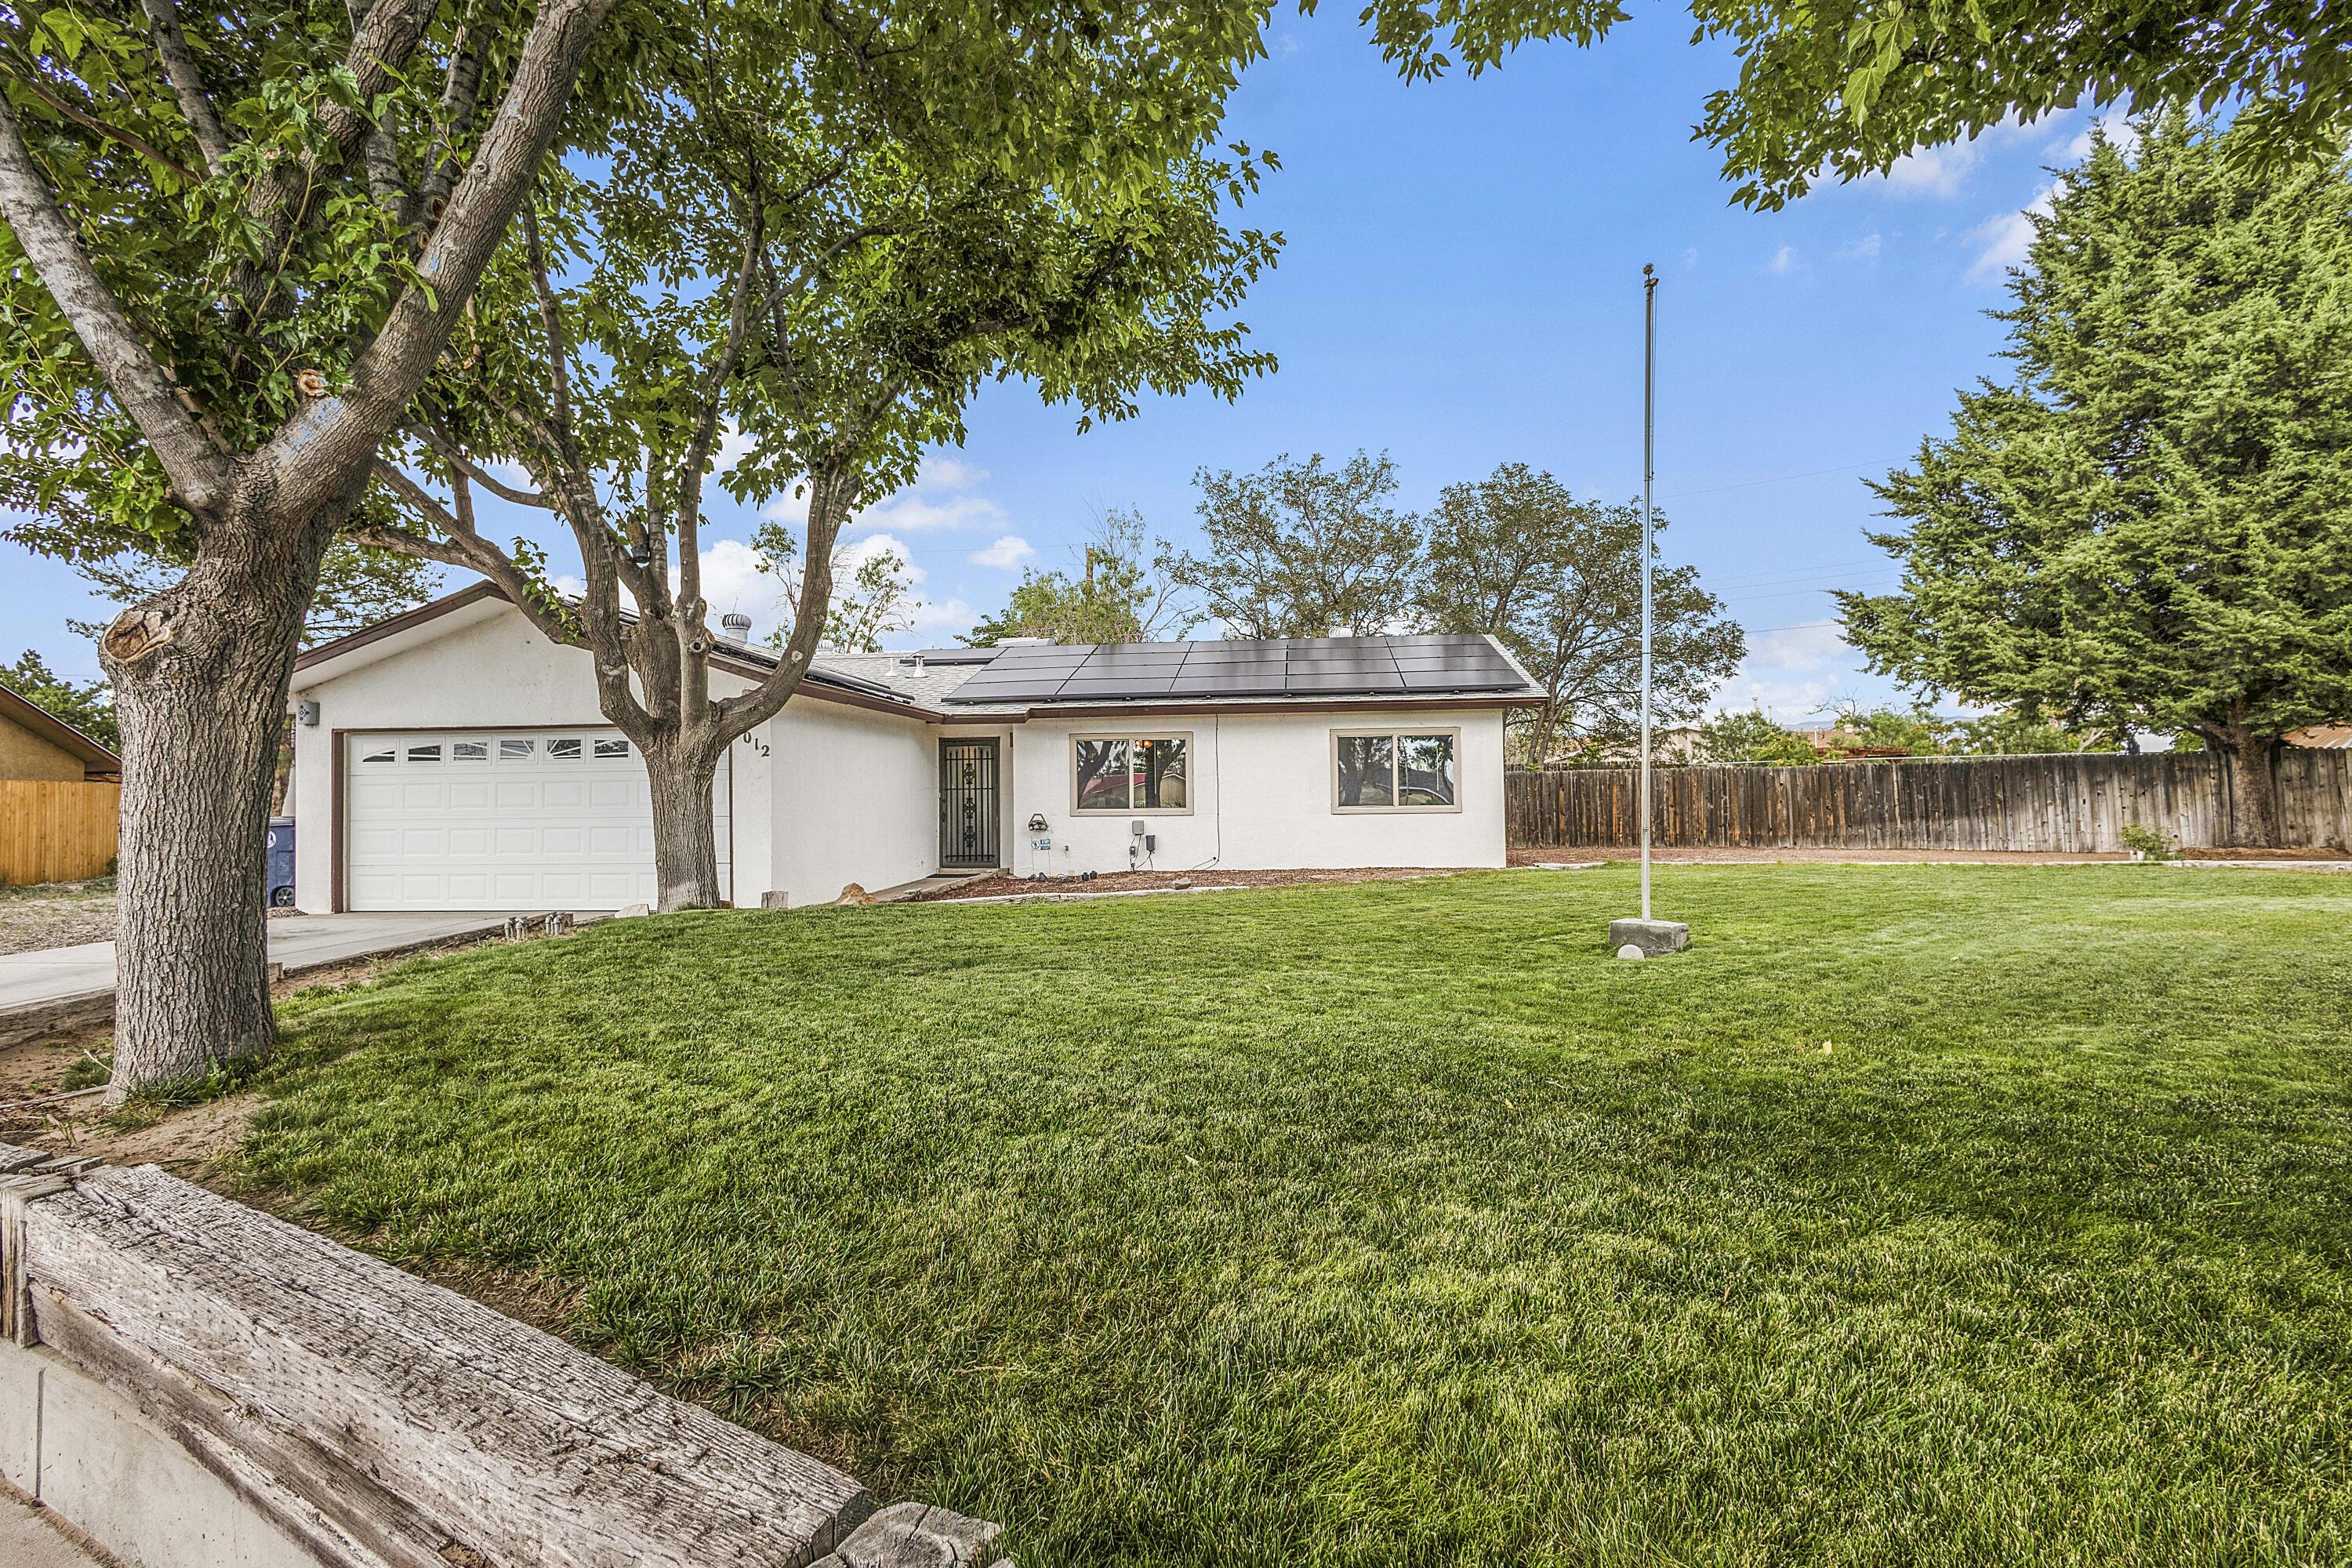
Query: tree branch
{"x": 187, "y": 81}
{"x": 200, "y": 477}
{"x": 833, "y": 495}
{"x": 446, "y": 450}
{"x": 381, "y": 40}
{"x": 335, "y": 437}
{"x": 461, "y": 89}
{"x": 461, "y": 546}
{"x": 92, "y": 123}
{"x": 551, "y": 318}
{"x": 691, "y": 472}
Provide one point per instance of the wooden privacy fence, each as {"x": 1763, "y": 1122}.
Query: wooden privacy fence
{"x": 2067, "y": 804}
{"x": 55, "y": 830}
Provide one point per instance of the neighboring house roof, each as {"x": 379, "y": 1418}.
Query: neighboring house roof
{"x": 1017, "y": 679}
{"x": 2324, "y": 738}
{"x": 38, "y": 720}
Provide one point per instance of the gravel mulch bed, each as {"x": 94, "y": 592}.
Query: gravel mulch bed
{"x": 1540, "y": 854}
{"x": 56, "y": 914}
{"x": 1003, "y": 885}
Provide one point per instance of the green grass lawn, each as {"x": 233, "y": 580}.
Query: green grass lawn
{"x": 1397, "y": 1223}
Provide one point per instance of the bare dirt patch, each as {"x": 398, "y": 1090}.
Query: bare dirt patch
{"x": 1003, "y": 885}
{"x": 55, "y": 914}
{"x": 51, "y": 1092}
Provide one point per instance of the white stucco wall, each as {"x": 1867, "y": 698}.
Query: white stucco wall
{"x": 866, "y": 817}
{"x": 1261, "y": 797}
{"x": 855, "y": 799}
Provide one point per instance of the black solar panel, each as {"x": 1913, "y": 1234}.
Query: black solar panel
{"x": 1441, "y": 662}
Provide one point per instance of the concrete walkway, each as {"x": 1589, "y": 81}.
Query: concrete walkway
{"x": 85, "y": 973}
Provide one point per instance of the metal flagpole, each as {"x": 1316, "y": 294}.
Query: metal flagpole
{"x": 1649, "y": 472}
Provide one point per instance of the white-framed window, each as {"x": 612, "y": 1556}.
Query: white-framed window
{"x": 1131, "y": 774}
{"x": 515, "y": 749}
{"x": 469, "y": 752}
{"x": 564, "y": 751}
{"x": 1416, "y": 769}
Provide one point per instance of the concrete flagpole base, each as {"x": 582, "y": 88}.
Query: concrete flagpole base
{"x": 1647, "y": 939}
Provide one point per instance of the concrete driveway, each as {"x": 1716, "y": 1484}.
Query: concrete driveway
{"x": 84, "y": 975}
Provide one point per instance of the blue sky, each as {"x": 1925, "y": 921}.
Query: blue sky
{"x": 1461, "y": 287}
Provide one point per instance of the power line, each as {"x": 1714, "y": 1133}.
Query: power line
{"x": 1772, "y": 479}
{"x": 1799, "y": 592}
{"x": 1837, "y": 569}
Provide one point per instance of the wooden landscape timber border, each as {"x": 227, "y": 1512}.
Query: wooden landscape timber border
{"x": 2069, "y": 804}
{"x": 189, "y": 1381}
{"x": 57, "y": 830}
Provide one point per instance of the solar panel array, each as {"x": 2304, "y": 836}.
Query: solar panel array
{"x": 1290, "y": 667}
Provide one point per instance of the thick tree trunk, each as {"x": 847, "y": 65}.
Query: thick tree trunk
{"x": 2253, "y": 787}
{"x": 685, "y": 840}
{"x": 200, "y": 674}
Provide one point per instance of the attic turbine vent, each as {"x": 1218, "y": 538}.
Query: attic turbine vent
{"x": 736, "y": 625}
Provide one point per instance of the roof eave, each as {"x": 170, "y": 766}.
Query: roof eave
{"x": 31, "y": 716}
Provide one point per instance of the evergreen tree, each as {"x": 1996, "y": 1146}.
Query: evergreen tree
{"x": 88, "y": 706}
{"x": 2149, "y": 526}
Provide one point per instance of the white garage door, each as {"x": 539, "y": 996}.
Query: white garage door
{"x": 471, "y": 819}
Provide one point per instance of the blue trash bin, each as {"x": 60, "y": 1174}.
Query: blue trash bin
{"x": 281, "y": 862}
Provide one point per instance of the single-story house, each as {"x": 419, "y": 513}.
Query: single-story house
{"x": 37, "y": 744}
{"x": 452, "y": 758}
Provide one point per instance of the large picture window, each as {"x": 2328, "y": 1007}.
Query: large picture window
{"x": 1395, "y": 770}
{"x": 1131, "y": 775}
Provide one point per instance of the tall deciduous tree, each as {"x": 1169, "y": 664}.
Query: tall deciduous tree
{"x": 237, "y": 243}
{"x": 2149, "y": 526}
{"x": 1848, "y": 87}
{"x": 1559, "y": 582}
{"x": 1303, "y": 550}
{"x": 1117, "y": 595}
{"x": 835, "y": 288}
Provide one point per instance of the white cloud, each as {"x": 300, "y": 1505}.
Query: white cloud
{"x": 733, "y": 447}
{"x": 1784, "y": 260}
{"x": 2002, "y": 242}
{"x": 1933, "y": 170}
{"x": 1792, "y": 672}
{"x": 951, "y": 616}
{"x": 732, "y": 581}
{"x": 942, "y": 496}
{"x": 915, "y": 512}
{"x": 943, "y": 472}
{"x": 849, "y": 557}
{"x": 1010, "y": 551}
{"x": 1942, "y": 170}
{"x": 2118, "y": 129}
{"x": 1866, "y": 248}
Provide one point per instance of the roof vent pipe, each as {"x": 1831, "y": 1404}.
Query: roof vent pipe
{"x": 736, "y": 625}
